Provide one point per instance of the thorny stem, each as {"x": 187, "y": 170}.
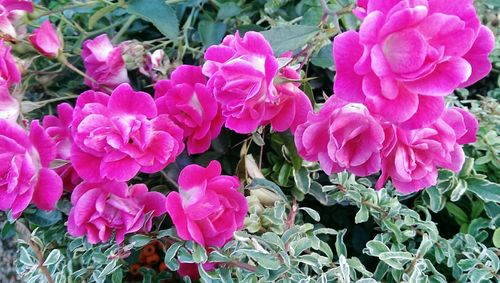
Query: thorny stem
{"x": 25, "y": 234}
{"x": 65, "y": 61}
{"x": 293, "y": 212}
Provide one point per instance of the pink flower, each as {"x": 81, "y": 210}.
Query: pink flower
{"x": 9, "y": 12}
{"x": 25, "y": 176}
{"x": 408, "y": 55}
{"x": 58, "y": 128}
{"x": 9, "y": 106}
{"x": 101, "y": 209}
{"x": 342, "y": 136}
{"x": 190, "y": 104}
{"x": 242, "y": 74}
{"x": 9, "y": 73}
{"x": 104, "y": 63}
{"x": 208, "y": 207}
{"x": 46, "y": 40}
{"x": 153, "y": 63}
{"x": 463, "y": 123}
{"x": 117, "y": 136}
{"x": 411, "y": 157}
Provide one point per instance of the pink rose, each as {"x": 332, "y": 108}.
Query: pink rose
{"x": 25, "y": 176}
{"x": 9, "y": 73}
{"x": 58, "y": 128}
{"x": 10, "y": 11}
{"x": 208, "y": 207}
{"x": 411, "y": 157}
{"x": 104, "y": 63}
{"x": 245, "y": 78}
{"x": 463, "y": 123}
{"x": 9, "y": 106}
{"x": 46, "y": 40}
{"x": 153, "y": 63}
{"x": 342, "y": 136}
{"x": 190, "y": 104}
{"x": 408, "y": 55}
{"x": 117, "y": 136}
{"x": 101, "y": 209}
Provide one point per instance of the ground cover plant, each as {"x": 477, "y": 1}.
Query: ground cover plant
{"x": 251, "y": 141}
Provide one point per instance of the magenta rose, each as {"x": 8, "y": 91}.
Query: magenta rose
{"x": 116, "y": 136}
{"x": 463, "y": 123}
{"x": 46, "y": 40}
{"x": 411, "y": 157}
{"x": 408, "y": 55}
{"x": 103, "y": 209}
{"x": 342, "y": 136}
{"x": 10, "y": 11}
{"x": 191, "y": 105}
{"x": 208, "y": 208}
{"x": 58, "y": 129}
{"x": 104, "y": 63}
{"x": 9, "y": 73}
{"x": 25, "y": 176}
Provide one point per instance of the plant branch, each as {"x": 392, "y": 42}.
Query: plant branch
{"x": 25, "y": 234}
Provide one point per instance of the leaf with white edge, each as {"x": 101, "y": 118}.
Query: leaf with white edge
{"x": 311, "y": 212}
{"x": 159, "y": 13}
{"x": 169, "y": 260}
{"x": 496, "y": 238}
{"x": 289, "y": 38}
{"x": 52, "y": 258}
{"x": 199, "y": 254}
{"x": 302, "y": 179}
{"x": 339, "y": 243}
{"x": 375, "y": 247}
{"x": 362, "y": 215}
{"x": 110, "y": 268}
{"x": 484, "y": 189}
{"x": 140, "y": 240}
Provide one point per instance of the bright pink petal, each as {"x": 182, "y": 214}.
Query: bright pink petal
{"x": 48, "y": 189}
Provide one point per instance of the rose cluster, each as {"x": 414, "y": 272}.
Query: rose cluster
{"x": 388, "y": 112}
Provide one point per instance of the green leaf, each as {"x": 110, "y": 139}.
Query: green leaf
{"x": 496, "y": 238}
{"x": 161, "y": 15}
{"x": 289, "y": 38}
{"x": 323, "y": 58}
{"x": 44, "y": 218}
{"x": 140, "y": 240}
{"x": 267, "y": 261}
{"x": 457, "y": 212}
{"x": 339, "y": 243}
{"x": 314, "y": 215}
{"x": 263, "y": 183}
{"x": 228, "y": 10}
{"x": 52, "y": 258}
{"x": 362, "y": 215}
{"x": 484, "y": 189}
{"x": 110, "y": 268}
{"x": 302, "y": 179}
{"x": 211, "y": 33}
{"x": 199, "y": 254}
{"x": 100, "y": 13}
{"x": 376, "y": 247}
{"x": 169, "y": 260}
{"x": 8, "y": 230}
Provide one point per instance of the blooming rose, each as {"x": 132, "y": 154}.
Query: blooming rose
{"x": 244, "y": 74}
{"x": 46, "y": 40}
{"x": 104, "y": 63}
{"x": 411, "y": 157}
{"x": 58, "y": 128}
{"x": 117, "y": 136}
{"x": 10, "y": 10}
{"x": 463, "y": 123}
{"x": 25, "y": 176}
{"x": 9, "y": 73}
{"x": 208, "y": 207}
{"x": 190, "y": 104}
{"x": 101, "y": 209}
{"x": 408, "y": 55}
{"x": 9, "y": 106}
{"x": 342, "y": 136}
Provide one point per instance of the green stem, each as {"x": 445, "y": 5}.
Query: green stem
{"x": 124, "y": 29}
{"x": 62, "y": 9}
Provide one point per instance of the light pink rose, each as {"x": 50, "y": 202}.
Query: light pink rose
{"x": 46, "y": 40}
{"x": 191, "y": 105}
{"x": 245, "y": 77}
{"x": 342, "y": 136}
{"x": 408, "y": 55}
{"x": 9, "y": 73}
{"x": 116, "y": 136}
{"x": 208, "y": 208}
{"x": 9, "y": 106}
{"x": 104, "y": 63}
{"x": 58, "y": 128}
{"x": 411, "y": 157}
{"x": 25, "y": 176}
{"x": 10, "y": 11}
{"x": 103, "y": 209}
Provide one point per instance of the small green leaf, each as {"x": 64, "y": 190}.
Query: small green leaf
{"x": 457, "y": 212}
{"x": 289, "y": 38}
{"x": 199, "y": 254}
{"x": 211, "y": 32}
{"x": 302, "y": 179}
{"x": 313, "y": 213}
{"x": 362, "y": 215}
{"x": 228, "y": 10}
{"x": 375, "y": 247}
{"x": 496, "y": 238}
{"x": 263, "y": 183}
{"x": 324, "y": 57}
{"x": 140, "y": 240}
{"x": 339, "y": 243}
{"x": 100, "y": 13}
{"x": 484, "y": 189}
{"x": 44, "y": 218}
{"x": 161, "y": 15}
{"x": 52, "y": 258}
